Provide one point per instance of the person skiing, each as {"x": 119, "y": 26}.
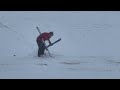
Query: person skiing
{"x": 41, "y": 42}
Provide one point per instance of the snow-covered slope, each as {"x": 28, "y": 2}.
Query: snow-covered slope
{"x": 89, "y": 47}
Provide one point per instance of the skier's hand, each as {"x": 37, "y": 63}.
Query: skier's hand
{"x": 46, "y": 49}
{"x": 51, "y": 44}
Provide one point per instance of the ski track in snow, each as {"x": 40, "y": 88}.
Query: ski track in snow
{"x": 58, "y": 64}
{"x": 86, "y": 63}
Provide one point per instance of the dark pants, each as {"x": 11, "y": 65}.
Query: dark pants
{"x": 41, "y": 48}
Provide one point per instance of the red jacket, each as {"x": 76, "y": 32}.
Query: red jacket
{"x": 44, "y": 36}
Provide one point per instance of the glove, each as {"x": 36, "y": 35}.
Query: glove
{"x": 51, "y": 44}
{"x": 46, "y": 49}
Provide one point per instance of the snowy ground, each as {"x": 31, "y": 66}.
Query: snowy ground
{"x": 89, "y": 47}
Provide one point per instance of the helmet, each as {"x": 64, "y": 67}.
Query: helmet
{"x": 51, "y": 33}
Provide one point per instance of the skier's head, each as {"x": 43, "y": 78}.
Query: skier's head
{"x": 51, "y": 34}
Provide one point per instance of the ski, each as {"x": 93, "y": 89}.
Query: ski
{"x": 53, "y": 43}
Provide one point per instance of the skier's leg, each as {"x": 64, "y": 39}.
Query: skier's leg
{"x": 40, "y": 49}
{"x": 43, "y": 49}
{"x": 38, "y": 52}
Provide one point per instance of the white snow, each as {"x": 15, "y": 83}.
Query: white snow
{"x": 89, "y": 48}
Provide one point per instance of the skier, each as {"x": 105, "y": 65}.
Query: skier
{"x": 41, "y": 42}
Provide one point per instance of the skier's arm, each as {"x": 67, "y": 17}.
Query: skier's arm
{"x": 49, "y": 41}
